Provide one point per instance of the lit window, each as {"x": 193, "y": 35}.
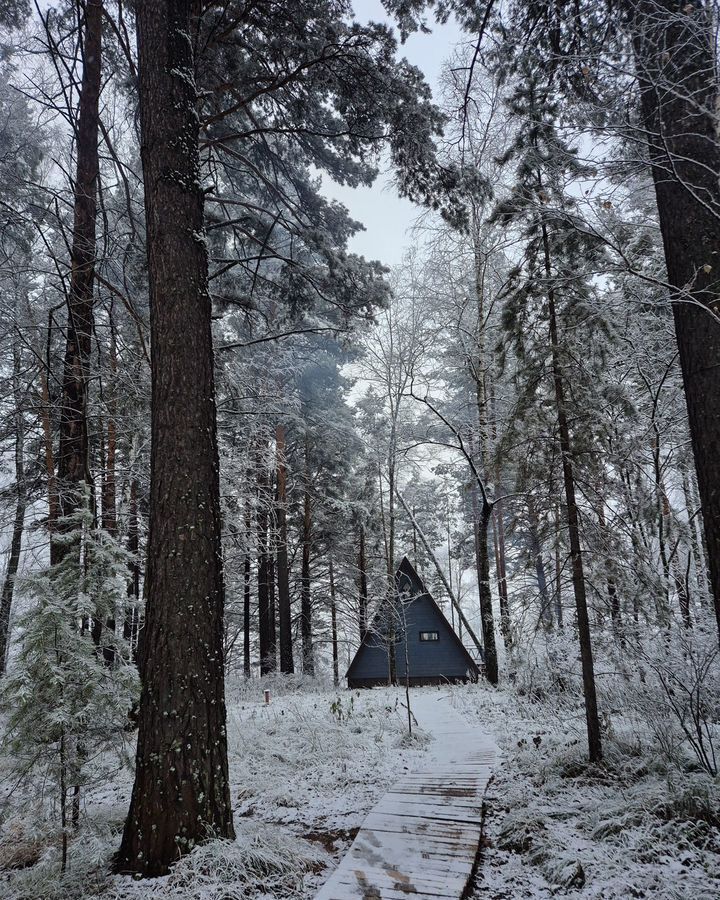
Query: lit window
{"x": 429, "y": 636}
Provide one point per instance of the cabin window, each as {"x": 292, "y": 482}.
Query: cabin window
{"x": 429, "y": 636}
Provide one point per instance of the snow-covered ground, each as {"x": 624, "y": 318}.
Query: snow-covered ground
{"x": 307, "y": 769}
{"x": 555, "y": 826}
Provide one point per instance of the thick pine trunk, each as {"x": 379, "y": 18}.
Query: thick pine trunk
{"x": 181, "y": 794}
{"x": 287, "y": 666}
{"x": 578, "y": 575}
{"x": 674, "y": 53}
{"x": 73, "y": 453}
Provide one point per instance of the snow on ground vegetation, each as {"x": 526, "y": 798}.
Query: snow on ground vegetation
{"x": 644, "y": 824}
{"x": 305, "y": 771}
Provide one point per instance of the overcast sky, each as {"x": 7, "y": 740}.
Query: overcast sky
{"x": 386, "y": 217}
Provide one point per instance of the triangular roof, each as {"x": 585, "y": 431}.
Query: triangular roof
{"x": 407, "y": 578}
{"x": 409, "y": 588}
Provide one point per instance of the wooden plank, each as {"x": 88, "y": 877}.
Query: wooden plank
{"x": 393, "y": 823}
{"x": 449, "y": 801}
{"x": 422, "y": 837}
{"x": 431, "y": 812}
{"x": 386, "y": 883}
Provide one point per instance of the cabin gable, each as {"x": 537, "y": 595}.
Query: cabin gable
{"x": 423, "y": 638}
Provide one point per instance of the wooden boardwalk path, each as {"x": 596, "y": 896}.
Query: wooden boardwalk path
{"x": 422, "y": 838}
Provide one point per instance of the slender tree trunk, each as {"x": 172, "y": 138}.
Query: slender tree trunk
{"x": 333, "y": 622}
{"x": 676, "y": 67}
{"x": 132, "y": 613}
{"x": 500, "y": 566}
{"x": 499, "y": 534}
{"x": 109, "y": 493}
{"x": 306, "y": 617}
{"x": 73, "y": 458}
{"x": 287, "y": 666}
{"x": 73, "y": 454}
{"x": 482, "y": 515}
{"x": 47, "y": 437}
{"x": 272, "y": 603}
{"x": 681, "y": 587}
{"x": 663, "y": 519}
{"x": 181, "y": 794}
{"x": 6, "y": 597}
{"x": 108, "y": 496}
{"x": 390, "y": 587}
{"x": 578, "y": 575}
{"x": 613, "y": 599}
{"x": 415, "y": 546}
{"x": 546, "y": 615}
{"x": 450, "y": 569}
{"x": 557, "y": 593}
{"x": 263, "y": 572}
{"x": 63, "y": 801}
{"x": 247, "y": 669}
{"x": 484, "y": 512}
{"x": 695, "y": 539}
{"x": 363, "y": 587}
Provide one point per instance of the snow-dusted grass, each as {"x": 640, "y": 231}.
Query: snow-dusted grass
{"x": 644, "y": 824}
{"x": 305, "y": 770}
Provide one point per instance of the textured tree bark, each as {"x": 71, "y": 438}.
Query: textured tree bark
{"x": 181, "y": 793}
{"x": 363, "y": 586}
{"x": 6, "y": 597}
{"x": 500, "y": 566}
{"x": 306, "y": 617}
{"x": 482, "y": 515}
{"x": 73, "y": 453}
{"x": 108, "y": 495}
{"x": 247, "y": 670}
{"x": 674, "y": 53}
{"x": 696, "y": 541}
{"x": 333, "y": 623}
{"x": 578, "y": 575}
{"x": 272, "y": 605}
{"x": 267, "y": 661}
{"x": 287, "y": 666}
{"x": 131, "y": 626}
{"x": 557, "y": 593}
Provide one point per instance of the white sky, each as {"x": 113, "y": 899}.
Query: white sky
{"x": 387, "y": 217}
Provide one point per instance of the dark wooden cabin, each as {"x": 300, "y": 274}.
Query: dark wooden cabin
{"x": 413, "y": 628}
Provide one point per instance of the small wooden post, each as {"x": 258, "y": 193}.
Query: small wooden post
{"x": 266, "y": 694}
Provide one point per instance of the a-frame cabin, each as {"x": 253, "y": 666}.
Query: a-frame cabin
{"x": 416, "y": 629}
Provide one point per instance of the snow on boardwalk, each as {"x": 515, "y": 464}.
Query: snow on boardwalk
{"x": 422, "y": 837}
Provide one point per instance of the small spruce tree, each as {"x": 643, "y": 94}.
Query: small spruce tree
{"x": 67, "y": 708}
